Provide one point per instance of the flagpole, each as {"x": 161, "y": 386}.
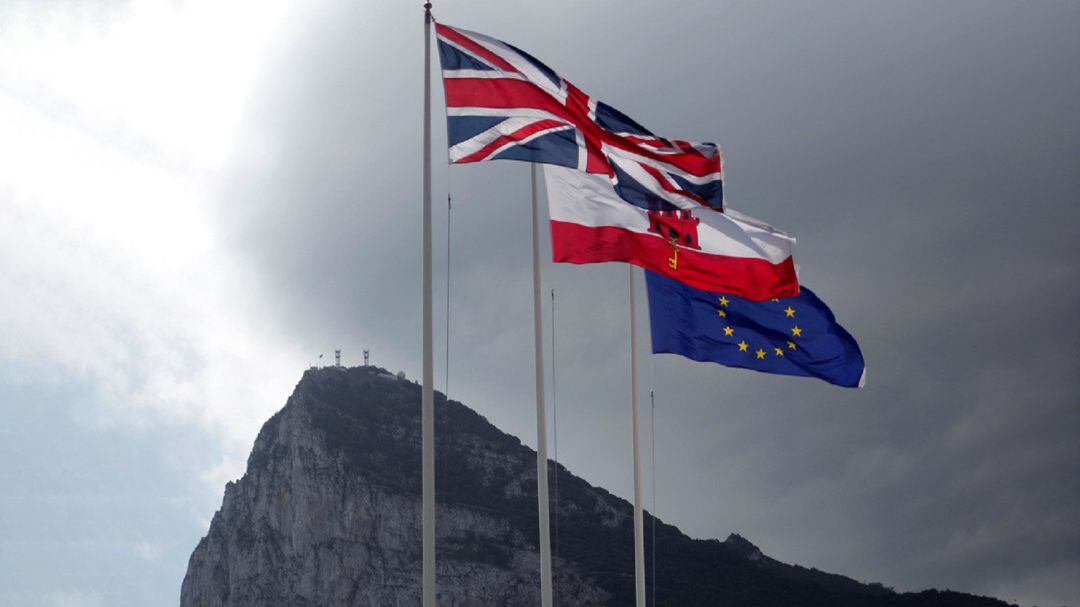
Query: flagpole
{"x": 428, "y": 398}
{"x": 541, "y": 417}
{"x": 639, "y": 515}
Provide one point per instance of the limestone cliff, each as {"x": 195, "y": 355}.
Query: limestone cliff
{"x": 328, "y": 513}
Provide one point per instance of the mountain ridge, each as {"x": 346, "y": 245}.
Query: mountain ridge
{"x": 327, "y": 513}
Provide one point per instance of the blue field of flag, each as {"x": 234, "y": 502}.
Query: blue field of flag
{"x": 790, "y": 336}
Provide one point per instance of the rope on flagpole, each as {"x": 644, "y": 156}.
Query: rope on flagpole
{"x": 449, "y": 208}
{"x": 446, "y": 371}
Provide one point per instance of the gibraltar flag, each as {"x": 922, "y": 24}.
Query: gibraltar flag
{"x": 724, "y": 252}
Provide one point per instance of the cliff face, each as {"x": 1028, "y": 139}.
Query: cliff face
{"x": 328, "y": 513}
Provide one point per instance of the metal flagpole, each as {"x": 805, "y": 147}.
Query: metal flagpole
{"x": 428, "y": 399}
{"x": 639, "y": 515}
{"x": 541, "y": 418}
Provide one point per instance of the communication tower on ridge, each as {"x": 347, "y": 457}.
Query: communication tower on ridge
{"x": 367, "y": 353}
{"x": 337, "y": 357}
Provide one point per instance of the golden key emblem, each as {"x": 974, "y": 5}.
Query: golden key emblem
{"x": 673, "y": 261}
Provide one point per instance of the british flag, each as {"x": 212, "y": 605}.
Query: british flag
{"x": 502, "y": 103}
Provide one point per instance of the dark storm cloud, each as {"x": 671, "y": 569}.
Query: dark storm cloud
{"x": 927, "y": 158}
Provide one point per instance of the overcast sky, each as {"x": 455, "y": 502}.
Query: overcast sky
{"x": 197, "y": 198}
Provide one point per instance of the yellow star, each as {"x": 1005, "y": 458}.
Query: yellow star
{"x": 760, "y": 353}
{"x": 774, "y": 299}
{"x": 779, "y": 351}
{"x": 723, "y": 300}
{"x": 796, "y": 331}
{"x": 791, "y": 345}
{"x": 722, "y": 313}
{"x": 729, "y": 331}
{"x": 743, "y": 346}
{"x": 789, "y": 311}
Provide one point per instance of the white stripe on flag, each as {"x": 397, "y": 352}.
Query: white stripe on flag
{"x": 590, "y": 200}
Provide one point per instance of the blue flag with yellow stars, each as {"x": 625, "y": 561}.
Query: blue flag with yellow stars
{"x": 791, "y": 336}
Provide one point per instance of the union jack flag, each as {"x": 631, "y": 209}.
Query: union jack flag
{"x": 502, "y": 103}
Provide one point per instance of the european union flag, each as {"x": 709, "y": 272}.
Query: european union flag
{"x": 791, "y": 336}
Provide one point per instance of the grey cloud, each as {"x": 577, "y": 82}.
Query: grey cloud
{"x": 926, "y": 157}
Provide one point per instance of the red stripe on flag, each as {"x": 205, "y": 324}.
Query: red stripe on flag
{"x": 662, "y": 179}
{"x": 753, "y": 278}
{"x": 501, "y": 93}
{"x": 577, "y": 102}
{"x": 465, "y": 42}
{"x": 522, "y": 133}
{"x": 658, "y": 176}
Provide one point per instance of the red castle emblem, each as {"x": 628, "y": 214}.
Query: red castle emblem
{"x": 678, "y": 227}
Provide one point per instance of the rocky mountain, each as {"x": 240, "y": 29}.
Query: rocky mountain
{"x": 328, "y": 513}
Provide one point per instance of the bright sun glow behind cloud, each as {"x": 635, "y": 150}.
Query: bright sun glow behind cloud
{"x": 115, "y": 123}
{"x": 169, "y": 74}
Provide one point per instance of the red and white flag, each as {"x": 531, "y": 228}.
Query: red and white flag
{"x": 723, "y": 252}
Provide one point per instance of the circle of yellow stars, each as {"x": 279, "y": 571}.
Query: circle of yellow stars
{"x": 761, "y": 353}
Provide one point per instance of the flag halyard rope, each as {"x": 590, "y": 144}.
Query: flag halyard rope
{"x": 446, "y": 369}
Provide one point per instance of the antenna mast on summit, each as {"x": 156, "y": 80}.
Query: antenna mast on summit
{"x": 337, "y": 357}
{"x": 367, "y": 353}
